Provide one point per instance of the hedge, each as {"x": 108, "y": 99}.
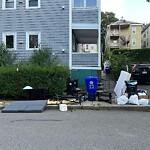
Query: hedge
{"x": 12, "y": 81}
{"x": 138, "y": 55}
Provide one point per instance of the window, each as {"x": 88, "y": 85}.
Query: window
{"x": 133, "y": 30}
{"x": 144, "y": 35}
{"x": 78, "y": 3}
{"x": 8, "y": 4}
{"x": 85, "y": 3}
{"x": 33, "y": 40}
{"x": 91, "y": 3}
{"x": 32, "y": 3}
{"x": 9, "y": 39}
{"x": 133, "y": 42}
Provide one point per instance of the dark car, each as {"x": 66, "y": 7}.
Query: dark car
{"x": 141, "y": 73}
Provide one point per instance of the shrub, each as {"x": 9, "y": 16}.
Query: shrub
{"x": 12, "y": 81}
{"x": 42, "y": 57}
{"x": 120, "y": 62}
{"x": 6, "y": 57}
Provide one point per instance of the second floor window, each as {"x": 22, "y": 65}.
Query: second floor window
{"x": 133, "y": 30}
{"x": 85, "y": 3}
{"x": 8, "y": 4}
{"x": 32, "y": 3}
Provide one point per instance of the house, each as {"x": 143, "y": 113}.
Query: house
{"x": 123, "y": 34}
{"x": 62, "y": 25}
{"x": 146, "y": 36}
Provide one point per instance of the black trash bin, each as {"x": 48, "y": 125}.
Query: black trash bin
{"x": 131, "y": 87}
{"x": 91, "y": 86}
{"x": 35, "y": 94}
{"x": 72, "y": 84}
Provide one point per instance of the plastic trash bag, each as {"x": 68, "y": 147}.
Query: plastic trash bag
{"x": 143, "y": 102}
{"x": 122, "y": 100}
{"x": 133, "y": 99}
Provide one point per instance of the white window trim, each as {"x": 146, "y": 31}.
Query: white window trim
{"x": 27, "y": 40}
{"x": 133, "y": 41}
{"x": 15, "y": 39}
{"x": 133, "y": 30}
{"x": 4, "y": 6}
{"x": 27, "y": 5}
{"x": 85, "y": 5}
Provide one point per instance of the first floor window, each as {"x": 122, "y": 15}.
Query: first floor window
{"x": 8, "y": 4}
{"x": 9, "y": 39}
{"x": 32, "y": 3}
{"x": 33, "y": 40}
{"x": 133, "y": 42}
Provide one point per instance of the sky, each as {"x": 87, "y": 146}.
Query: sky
{"x": 131, "y": 10}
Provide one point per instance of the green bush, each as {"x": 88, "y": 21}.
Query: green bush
{"x": 6, "y": 57}
{"x": 12, "y": 81}
{"x": 137, "y": 55}
{"x": 43, "y": 57}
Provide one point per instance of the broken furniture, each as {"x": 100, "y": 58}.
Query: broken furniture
{"x": 104, "y": 93}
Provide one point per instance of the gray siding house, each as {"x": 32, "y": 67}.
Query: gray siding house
{"x": 66, "y": 26}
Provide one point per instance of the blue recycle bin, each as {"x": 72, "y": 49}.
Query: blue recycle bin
{"x": 107, "y": 70}
{"x": 91, "y": 87}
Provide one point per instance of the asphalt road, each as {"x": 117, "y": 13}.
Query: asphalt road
{"x": 77, "y": 130}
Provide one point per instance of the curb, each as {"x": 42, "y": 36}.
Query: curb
{"x": 113, "y": 107}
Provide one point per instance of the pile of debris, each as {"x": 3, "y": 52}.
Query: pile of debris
{"x": 127, "y": 92}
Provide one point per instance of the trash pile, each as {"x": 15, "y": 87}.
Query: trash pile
{"x": 128, "y": 93}
{"x": 136, "y": 99}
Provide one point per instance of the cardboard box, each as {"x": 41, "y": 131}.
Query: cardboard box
{"x": 144, "y": 97}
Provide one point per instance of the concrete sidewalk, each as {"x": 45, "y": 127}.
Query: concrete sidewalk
{"x": 96, "y": 105}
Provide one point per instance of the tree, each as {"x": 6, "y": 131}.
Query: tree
{"x": 106, "y": 19}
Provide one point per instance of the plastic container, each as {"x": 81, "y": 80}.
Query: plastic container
{"x": 91, "y": 96}
{"x": 107, "y": 70}
{"x": 131, "y": 87}
{"x": 63, "y": 107}
{"x": 91, "y": 84}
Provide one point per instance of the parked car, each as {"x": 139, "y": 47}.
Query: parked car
{"x": 141, "y": 73}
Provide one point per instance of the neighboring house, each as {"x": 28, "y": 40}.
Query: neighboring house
{"x": 146, "y": 36}
{"x": 61, "y": 25}
{"x": 123, "y": 35}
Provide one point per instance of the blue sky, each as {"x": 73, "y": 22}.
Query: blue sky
{"x": 132, "y": 10}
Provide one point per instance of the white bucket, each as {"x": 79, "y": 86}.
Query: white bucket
{"x": 62, "y": 107}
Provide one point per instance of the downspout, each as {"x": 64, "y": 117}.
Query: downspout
{"x": 99, "y": 35}
{"x": 70, "y": 34}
